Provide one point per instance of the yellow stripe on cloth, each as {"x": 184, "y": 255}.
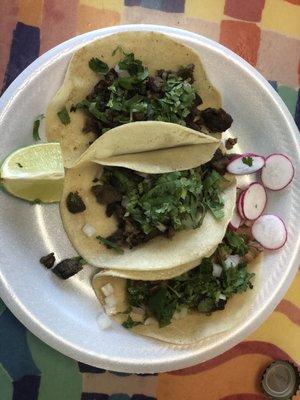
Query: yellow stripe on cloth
{"x": 210, "y": 10}
{"x": 281, "y": 16}
{"x": 113, "y": 5}
{"x": 282, "y": 332}
{"x": 30, "y": 12}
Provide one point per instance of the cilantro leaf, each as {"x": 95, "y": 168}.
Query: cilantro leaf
{"x": 64, "y": 116}
{"x": 80, "y": 260}
{"x": 248, "y": 161}
{"x": 212, "y": 194}
{"x": 110, "y": 245}
{"x": 126, "y": 82}
{"x": 118, "y": 49}
{"x": 131, "y": 64}
{"x": 162, "y": 305}
{"x": 236, "y": 280}
{"x": 137, "y": 294}
{"x": 173, "y": 199}
{"x": 98, "y": 66}
{"x": 36, "y": 201}
{"x": 36, "y": 125}
{"x": 130, "y": 323}
{"x": 236, "y": 243}
{"x": 207, "y": 305}
{"x": 197, "y": 290}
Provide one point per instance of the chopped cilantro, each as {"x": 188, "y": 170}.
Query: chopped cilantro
{"x": 198, "y": 290}
{"x": 36, "y": 125}
{"x": 248, "y": 161}
{"x": 137, "y": 293}
{"x": 236, "y": 280}
{"x": 174, "y": 199}
{"x": 162, "y": 304}
{"x": 19, "y": 165}
{"x": 131, "y": 64}
{"x": 35, "y": 201}
{"x": 80, "y": 260}
{"x": 160, "y": 203}
{"x": 64, "y": 116}
{"x": 212, "y": 194}
{"x": 110, "y": 245}
{"x": 123, "y": 99}
{"x": 117, "y": 49}
{"x": 98, "y": 66}
{"x": 236, "y": 243}
{"x": 130, "y": 323}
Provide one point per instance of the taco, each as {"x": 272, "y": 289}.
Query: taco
{"x": 160, "y": 205}
{"x": 207, "y": 300}
{"x": 127, "y": 77}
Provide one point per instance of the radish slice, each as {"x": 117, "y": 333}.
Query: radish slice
{"x": 247, "y": 163}
{"x": 254, "y": 201}
{"x": 270, "y": 232}
{"x": 236, "y": 220}
{"x": 278, "y": 172}
{"x": 239, "y": 205}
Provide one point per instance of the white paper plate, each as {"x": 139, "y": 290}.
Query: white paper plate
{"x": 64, "y": 313}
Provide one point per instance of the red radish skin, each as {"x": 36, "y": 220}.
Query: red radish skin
{"x": 283, "y": 175}
{"x": 270, "y": 231}
{"x": 239, "y": 205}
{"x": 254, "y": 201}
{"x": 236, "y": 220}
{"x": 238, "y": 167}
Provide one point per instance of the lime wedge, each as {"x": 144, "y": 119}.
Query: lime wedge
{"x": 35, "y": 173}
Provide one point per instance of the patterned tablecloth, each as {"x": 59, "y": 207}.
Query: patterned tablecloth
{"x": 266, "y": 33}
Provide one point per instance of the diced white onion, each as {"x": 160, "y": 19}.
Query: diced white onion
{"x": 110, "y": 310}
{"x": 180, "y": 314}
{"x": 161, "y": 227}
{"x": 107, "y": 289}
{"x": 89, "y": 230}
{"x": 104, "y": 321}
{"x": 121, "y": 72}
{"x": 222, "y": 297}
{"x": 232, "y": 261}
{"x": 150, "y": 321}
{"x": 110, "y": 300}
{"x": 138, "y": 310}
{"x": 136, "y": 317}
{"x": 217, "y": 270}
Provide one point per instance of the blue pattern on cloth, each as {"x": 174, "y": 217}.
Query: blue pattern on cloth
{"x": 171, "y": 6}
{"x": 13, "y": 341}
{"x": 24, "y": 50}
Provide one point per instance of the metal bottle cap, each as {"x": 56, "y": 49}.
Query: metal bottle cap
{"x": 280, "y": 380}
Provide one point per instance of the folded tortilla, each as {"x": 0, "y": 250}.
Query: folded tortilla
{"x": 192, "y": 328}
{"x": 155, "y": 50}
{"x": 160, "y": 253}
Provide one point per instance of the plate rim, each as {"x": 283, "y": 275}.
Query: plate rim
{"x": 92, "y": 358}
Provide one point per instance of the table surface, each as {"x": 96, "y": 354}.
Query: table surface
{"x": 264, "y": 32}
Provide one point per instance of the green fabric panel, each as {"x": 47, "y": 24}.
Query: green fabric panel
{"x": 60, "y": 376}
{"x": 6, "y": 386}
{"x": 289, "y": 96}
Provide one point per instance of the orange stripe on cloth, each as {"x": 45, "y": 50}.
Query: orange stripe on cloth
{"x": 241, "y": 37}
{"x": 8, "y": 19}
{"x": 90, "y": 18}
{"x": 241, "y": 374}
{"x": 244, "y": 396}
{"x": 30, "y": 12}
{"x": 248, "y": 347}
{"x": 289, "y": 310}
{"x": 58, "y": 23}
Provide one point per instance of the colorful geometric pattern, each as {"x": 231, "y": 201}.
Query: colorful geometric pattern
{"x": 264, "y": 32}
